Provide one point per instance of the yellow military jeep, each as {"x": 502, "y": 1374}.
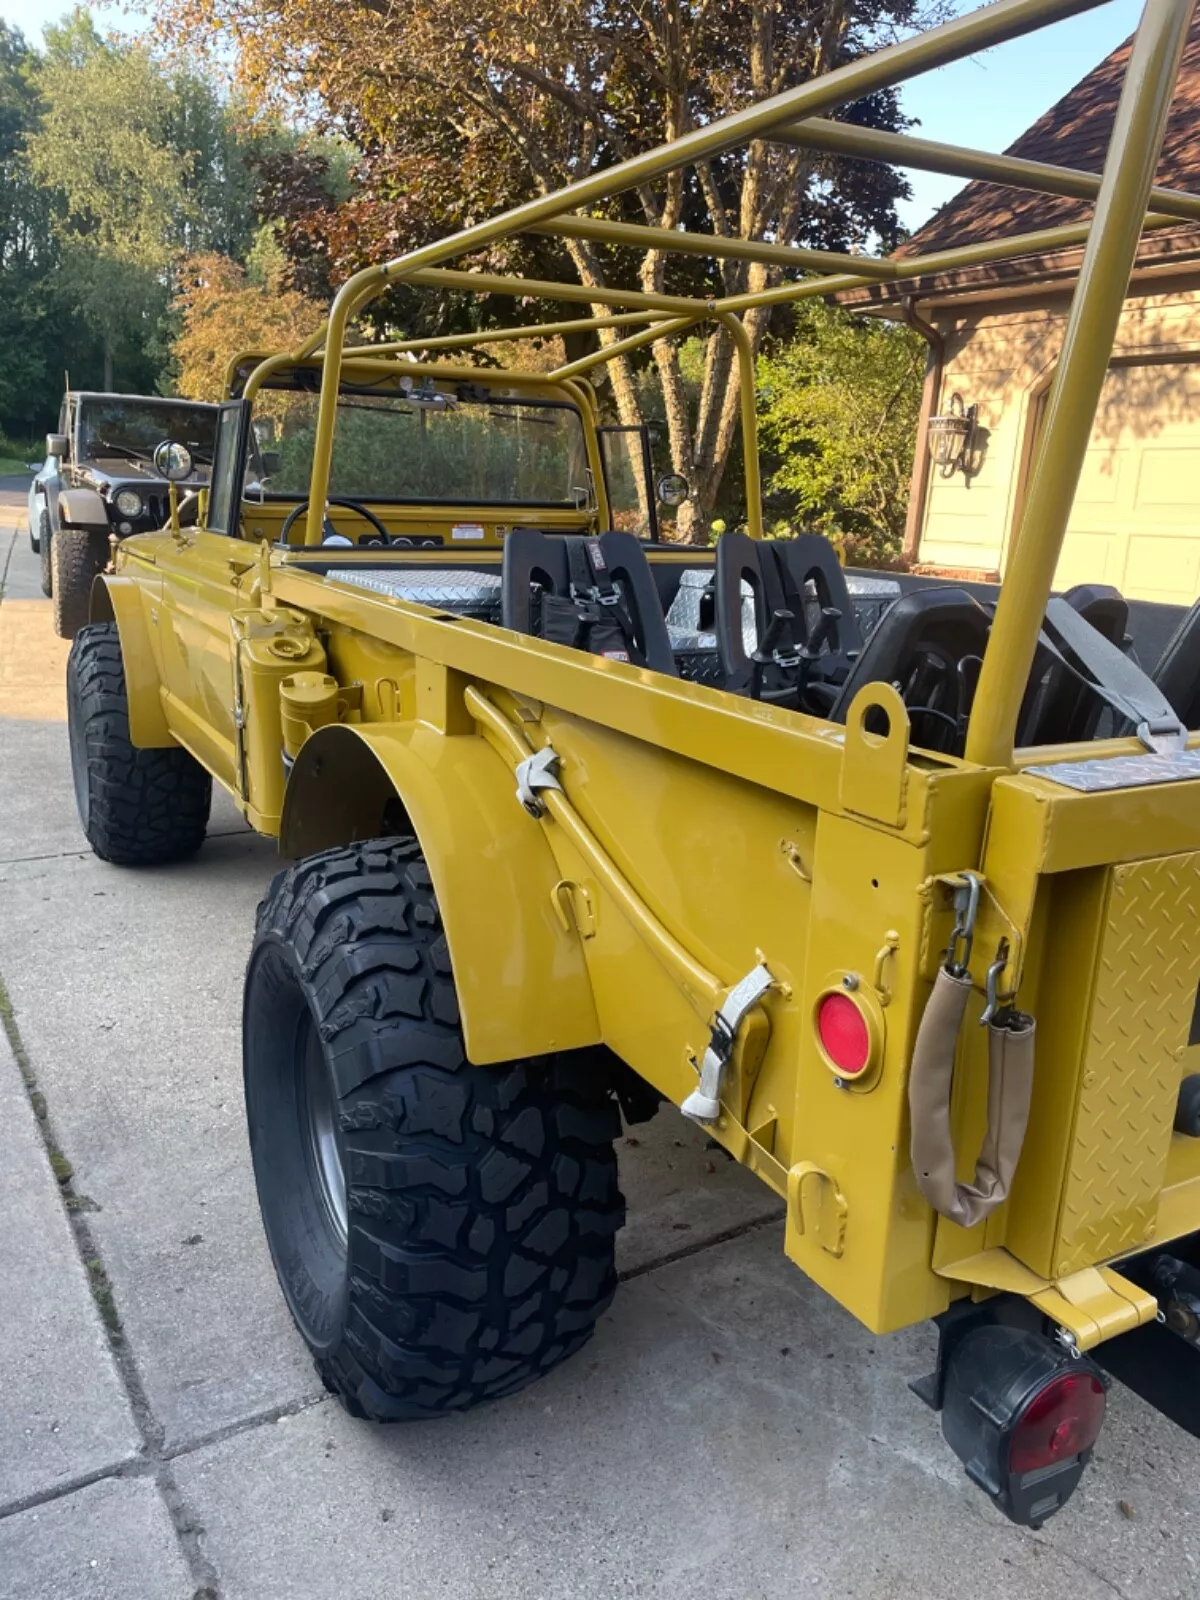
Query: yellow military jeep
{"x": 584, "y": 820}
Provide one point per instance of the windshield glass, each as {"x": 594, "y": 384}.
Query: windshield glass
{"x": 132, "y": 428}
{"x": 426, "y": 448}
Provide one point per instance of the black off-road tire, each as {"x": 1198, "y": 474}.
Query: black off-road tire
{"x": 76, "y": 556}
{"x": 138, "y": 808}
{"x": 45, "y": 540}
{"x": 479, "y": 1205}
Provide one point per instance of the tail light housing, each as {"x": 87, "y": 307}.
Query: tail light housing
{"x": 1022, "y": 1415}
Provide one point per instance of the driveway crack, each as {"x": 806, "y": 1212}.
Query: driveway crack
{"x": 155, "y": 1460}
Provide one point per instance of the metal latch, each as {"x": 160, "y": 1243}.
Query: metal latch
{"x": 534, "y": 773}
{"x": 1163, "y": 735}
{"x": 704, "y": 1102}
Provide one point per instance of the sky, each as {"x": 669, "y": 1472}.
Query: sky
{"x": 984, "y": 102}
{"x": 31, "y": 16}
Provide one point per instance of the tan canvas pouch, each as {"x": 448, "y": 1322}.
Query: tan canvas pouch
{"x": 1010, "y": 1085}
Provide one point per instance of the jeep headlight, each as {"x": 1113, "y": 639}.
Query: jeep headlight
{"x": 128, "y": 502}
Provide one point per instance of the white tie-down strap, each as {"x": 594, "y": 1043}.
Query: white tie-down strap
{"x": 704, "y": 1102}
{"x": 534, "y": 773}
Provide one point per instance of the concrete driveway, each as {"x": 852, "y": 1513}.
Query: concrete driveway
{"x": 728, "y": 1434}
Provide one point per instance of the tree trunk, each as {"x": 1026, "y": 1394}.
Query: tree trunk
{"x": 108, "y": 368}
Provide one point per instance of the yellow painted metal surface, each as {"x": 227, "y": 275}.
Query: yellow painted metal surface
{"x": 1146, "y": 977}
{"x": 135, "y": 607}
{"x": 698, "y": 837}
{"x": 654, "y": 771}
{"x": 1092, "y": 1305}
{"x": 521, "y": 976}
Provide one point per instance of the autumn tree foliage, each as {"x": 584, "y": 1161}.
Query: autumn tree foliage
{"x": 224, "y": 308}
{"x": 463, "y": 110}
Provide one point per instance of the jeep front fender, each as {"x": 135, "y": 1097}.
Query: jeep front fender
{"x": 120, "y": 600}
{"x": 523, "y": 985}
{"x": 82, "y": 508}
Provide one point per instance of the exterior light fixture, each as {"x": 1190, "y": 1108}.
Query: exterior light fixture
{"x": 951, "y": 435}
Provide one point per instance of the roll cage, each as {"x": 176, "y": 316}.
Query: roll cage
{"x": 1125, "y": 201}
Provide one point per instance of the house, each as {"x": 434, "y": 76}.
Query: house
{"x": 995, "y": 332}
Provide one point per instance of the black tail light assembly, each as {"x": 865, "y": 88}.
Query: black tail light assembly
{"x": 1022, "y": 1414}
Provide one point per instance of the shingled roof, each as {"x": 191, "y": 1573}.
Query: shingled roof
{"x": 1073, "y": 133}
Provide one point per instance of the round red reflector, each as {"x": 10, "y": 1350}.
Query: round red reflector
{"x": 843, "y": 1033}
{"x": 1060, "y": 1422}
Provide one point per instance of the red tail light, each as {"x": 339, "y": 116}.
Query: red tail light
{"x": 844, "y": 1035}
{"x": 1060, "y": 1422}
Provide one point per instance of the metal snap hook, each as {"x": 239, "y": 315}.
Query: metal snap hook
{"x": 992, "y": 984}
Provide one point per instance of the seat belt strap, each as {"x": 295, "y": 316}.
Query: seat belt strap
{"x": 1118, "y": 680}
{"x": 590, "y": 582}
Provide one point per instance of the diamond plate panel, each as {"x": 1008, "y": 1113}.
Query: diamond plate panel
{"x": 473, "y": 594}
{"x": 1145, "y": 992}
{"x": 1122, "y": 772}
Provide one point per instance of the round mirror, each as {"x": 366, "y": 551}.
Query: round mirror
{"x": 172, "y": 461}
{"x": 673, "y": 489}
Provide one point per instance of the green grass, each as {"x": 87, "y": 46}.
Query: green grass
{"x": 11, "y": 465}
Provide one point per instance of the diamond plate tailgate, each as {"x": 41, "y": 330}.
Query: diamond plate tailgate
{"x": 1141, "y": 1013}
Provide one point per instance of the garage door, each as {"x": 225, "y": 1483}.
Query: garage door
{"x": 1136, "y": 522}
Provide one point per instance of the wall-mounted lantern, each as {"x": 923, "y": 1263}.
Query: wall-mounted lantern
{"x": 951, "y": 436}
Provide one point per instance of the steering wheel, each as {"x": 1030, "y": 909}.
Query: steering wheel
{"x": 348, "y": 505}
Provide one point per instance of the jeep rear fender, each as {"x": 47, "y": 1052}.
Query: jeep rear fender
{"x": 82, "y": 508}
{"x": 523, "y": 985}
{"x": 122, "y": 601}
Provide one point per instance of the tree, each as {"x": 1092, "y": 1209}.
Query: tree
{"x": 461, "y": 112}
{"x": 24, "y": 230}
{"x": 114, "y": 163}
{"x": 839, "y": 406}
{"x": 223, "y": 308}
{"x": 102, "y": 148}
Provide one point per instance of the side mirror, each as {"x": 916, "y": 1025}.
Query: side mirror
{"x": 56, "y": 445}
{"x": 673, "y": 489}
{"x": 172, "y": 461}
{"x": 271, "y": 460}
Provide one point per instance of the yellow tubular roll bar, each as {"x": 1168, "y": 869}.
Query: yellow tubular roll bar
{"x": 1125, "y": 203}
{"x": 1075, "y": 391}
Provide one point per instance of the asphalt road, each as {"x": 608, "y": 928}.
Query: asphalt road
{"x": 728, "y": 1434}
